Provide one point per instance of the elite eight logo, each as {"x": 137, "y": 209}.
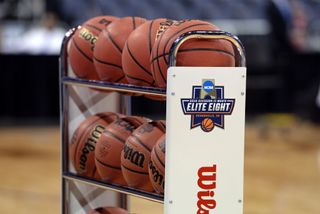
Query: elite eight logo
{"x": 208, "y": 106}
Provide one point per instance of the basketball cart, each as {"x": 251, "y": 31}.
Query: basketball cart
{"x": 204, "y": 163}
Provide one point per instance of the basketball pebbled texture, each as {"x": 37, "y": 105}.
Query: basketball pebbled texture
{"x": 156, "y": 165}
{"x": 193, "y": 52}
{"x": 80, "y": 51}
{"x": 110, "y": 145}
{"x": 135, "y": 155}
{"x": 137, "y": 50}
{"x": 107, "y": 53}
{"x": 83, "y": 142}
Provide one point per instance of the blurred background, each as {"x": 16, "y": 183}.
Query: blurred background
{"x": 282, "y": 41}
{"x": 281, "y": 38}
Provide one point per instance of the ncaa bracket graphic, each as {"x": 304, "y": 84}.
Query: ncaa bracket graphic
{"x": 207, "y": 106}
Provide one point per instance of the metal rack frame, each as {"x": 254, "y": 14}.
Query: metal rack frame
{"x": 66, "y": 81}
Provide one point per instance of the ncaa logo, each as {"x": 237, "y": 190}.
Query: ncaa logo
{"x": 208, "y": 86}
{"x": 207, "y": 106}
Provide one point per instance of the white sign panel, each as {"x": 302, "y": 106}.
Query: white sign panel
{"x": 205, "y": 140}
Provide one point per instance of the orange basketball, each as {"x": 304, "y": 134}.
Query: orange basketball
{"x": 81, "y": 47}
{"x": 193, "y": 52}
{"x": 110, "y": 145}
{"x": 157, "y": 165}
{"x": 135, "y": 155}
{"x": 84, "y": 141}
{"x": 207, "y": 125}
{"x": 108, "y": 210}
{"x": 108, "y": 49}
{"x": 137, "y": 50}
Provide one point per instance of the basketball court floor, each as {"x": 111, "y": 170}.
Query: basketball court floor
{"x": 282, "y": 169}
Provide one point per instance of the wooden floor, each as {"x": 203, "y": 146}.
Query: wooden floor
{"x": 282, "y": 169}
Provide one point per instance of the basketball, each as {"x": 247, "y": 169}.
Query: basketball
{"x": 108, "y": 210}
{"x": 84, "y": 141}
{"x": 110, "y": 145}
{"x": 137, "y": 50}
{"x": 108, "y": 49}
{"x": 80, "y": 51}
{"x": 135, "y": 155}
{"x": 156, "y": 165}
{"x": 207, "y": 125}
{"x": 193, "y": 52}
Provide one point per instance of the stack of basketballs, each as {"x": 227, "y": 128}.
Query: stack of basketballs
{"x": 121, "y": 150}
{"x": 130, "y": 150}
{"x": 135, "y": 51}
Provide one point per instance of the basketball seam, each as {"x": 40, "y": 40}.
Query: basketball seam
{"x": 159, "y": 56}
{"x": 106, "y": 117}
{"x": 81, "y": 136}
{"x": 78, "y": 142}
{"x": 94, "y": 27}
{"x": 118, "y": 80}
{"x": 165, "y": 60}
{"x": 113, "y": 42}
{"x": 83, "y": 53}
{"x": 149, "y": 36}
{"x": 101, "y": 210}
{"x": 136, "y": 78}
{"x": 207, "y": 49}
{"x": 100, "y": 116}
{"x": 114, "y": 136}
{"x": 153, "y": 70}
{"x": 106, "y": 63}
{"x": 144, "y": 173}
{"x": 195, "y": 49}
{"x": 157, "y": 156}
{"x": 133, "y": 22}
{"x": 135, "y": 121}
{"x": 94, "y": 171}
{"x": 107, "y": 165}
{"x": 136, "y": 61}
{"x": 157, "y": 50}
{"x": 141, "y": 143}
{"x": 176, "y": 33}
{"x": 162, "y": 126}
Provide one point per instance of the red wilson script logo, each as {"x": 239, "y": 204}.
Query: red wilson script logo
{"x": 207, "y": 183}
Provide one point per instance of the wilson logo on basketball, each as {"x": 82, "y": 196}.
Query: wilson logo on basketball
{"x": 208, "y": 106}
{"x": 104, "y": 22}
{"x": 147, "y": 128}
{"x": 88, "y": 36}
{"x": 163, "y": 27}
{"x": 135, "y": 157}
{"x": 90, "y": 145}
{"x": 124, "y": 124}
{"x": 207, "y": 182}
{"x": 157, "y": 177}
